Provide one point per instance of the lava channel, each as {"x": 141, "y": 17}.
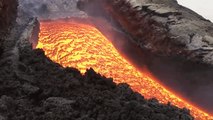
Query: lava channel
{"x": 74, "y": 44}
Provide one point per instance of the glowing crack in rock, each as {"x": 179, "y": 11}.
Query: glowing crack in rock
{"x": 82, "y": 46}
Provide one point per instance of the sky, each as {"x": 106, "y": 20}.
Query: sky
{"x": 202, "y": 7}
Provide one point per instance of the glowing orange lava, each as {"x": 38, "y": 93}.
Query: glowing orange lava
{"x": 82, "y": 46}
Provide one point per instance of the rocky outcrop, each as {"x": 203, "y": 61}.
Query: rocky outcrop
{"x": 176, "y": 42}
{"x": 8, "y": 11}
{"x": 162, "y": 27}
{"x": 30, "y": 33}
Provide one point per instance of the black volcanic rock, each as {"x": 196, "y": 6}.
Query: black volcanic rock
{"x": 8, "y": 12}
{"x": 176, "y": 43}
{"x": 53, "y": 92}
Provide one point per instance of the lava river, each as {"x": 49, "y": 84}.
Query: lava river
{"x": 73, "y": 44}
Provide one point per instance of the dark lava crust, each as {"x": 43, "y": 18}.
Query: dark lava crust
{"x": 35, "y": 88}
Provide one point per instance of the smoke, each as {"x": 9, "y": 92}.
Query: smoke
{"x": 28, "y": 10}
{"x": 192, "y": 81}
{"x": 50, "y": 9}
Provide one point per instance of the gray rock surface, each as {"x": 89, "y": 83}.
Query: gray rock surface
{"x": 164, "y": 28}
{"x": 58, "y": 102}
{"x": 2, "y": 118}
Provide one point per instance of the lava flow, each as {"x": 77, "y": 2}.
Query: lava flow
{"x": 82, "y": 46}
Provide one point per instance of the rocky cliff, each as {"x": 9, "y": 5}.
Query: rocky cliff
{"x": 162, "y": 27}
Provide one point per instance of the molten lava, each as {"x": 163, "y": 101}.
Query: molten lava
{"x": 82, "y": 46}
